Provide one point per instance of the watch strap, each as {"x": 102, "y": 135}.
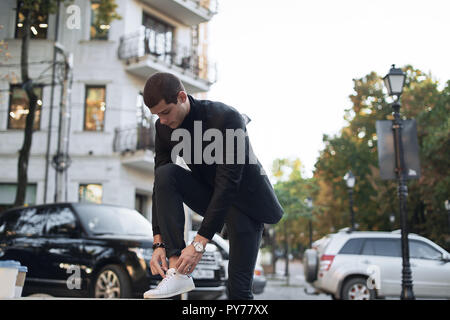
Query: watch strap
{"x": 158, "y": 245}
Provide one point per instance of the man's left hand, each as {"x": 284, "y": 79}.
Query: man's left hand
{"x": 189, "y": 257}
{"x": 188, "y": 260}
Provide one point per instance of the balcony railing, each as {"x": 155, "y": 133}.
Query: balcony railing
{"x": 137, "y": 45}
{"x": 133, "y": 139}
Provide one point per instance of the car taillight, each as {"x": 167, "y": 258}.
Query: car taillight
{"x": 258, "y": 272}
{"x": 325, "y": 262}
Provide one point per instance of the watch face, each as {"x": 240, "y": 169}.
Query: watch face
{"x": 198, "y": 247}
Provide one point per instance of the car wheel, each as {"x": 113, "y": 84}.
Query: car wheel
{"x": 357, "y": 289}
{"x": 310, "y": 265}
{"x": 112, "y": 282}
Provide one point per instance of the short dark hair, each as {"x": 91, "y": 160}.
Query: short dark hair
{"x": 160, "y": 86}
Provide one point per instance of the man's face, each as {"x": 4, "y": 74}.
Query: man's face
{"x": 171, "y": 115}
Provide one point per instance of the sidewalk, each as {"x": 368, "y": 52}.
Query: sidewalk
{"x": 296, "y": 276}
{"x": 279, "y": 287}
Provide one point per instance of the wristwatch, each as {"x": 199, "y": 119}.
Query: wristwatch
{"x": 158, "y": 245}
{"x": 198, "y": 246}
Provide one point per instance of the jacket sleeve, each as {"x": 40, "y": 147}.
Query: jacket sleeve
{"x": 162, "y": 157}
{"x": 227, "y": 180}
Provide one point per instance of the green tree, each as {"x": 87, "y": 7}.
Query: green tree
{"x": 355, "y": 148}
{"x": 292, "y": 189}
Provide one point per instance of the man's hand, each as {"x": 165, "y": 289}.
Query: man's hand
{"x": 158, "y": 262}
{"x": 189, "y": 257}
{"x": 188, "y": 260}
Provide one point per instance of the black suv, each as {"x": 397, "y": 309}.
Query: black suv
{"x": 91, "y": 250}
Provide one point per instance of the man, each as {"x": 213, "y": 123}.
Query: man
{"x": 232, "y": 189}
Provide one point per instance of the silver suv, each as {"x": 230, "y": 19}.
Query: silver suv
{"x": 368, "y": 265}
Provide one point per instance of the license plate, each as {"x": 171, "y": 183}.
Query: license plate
{"x": 203, "y": 274}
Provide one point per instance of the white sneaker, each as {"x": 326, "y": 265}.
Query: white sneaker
{"x": 173, "y": 284}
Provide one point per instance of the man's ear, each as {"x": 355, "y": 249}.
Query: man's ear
{"x": 182, "y": 95}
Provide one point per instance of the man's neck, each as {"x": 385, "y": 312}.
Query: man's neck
{"x": 188, "y": 108}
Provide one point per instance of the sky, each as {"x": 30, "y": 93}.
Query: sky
{"x": 289, "y": 64}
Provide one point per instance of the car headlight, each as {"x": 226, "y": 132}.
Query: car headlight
{"x": 143, "y": 253}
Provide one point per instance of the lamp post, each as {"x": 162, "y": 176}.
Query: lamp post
{"x": 447, "y": 207}
{"x": 61, "y": 160}
{"x": 350, "y": 180}
{"x": 286, "y": 252}
{"x": 309, "y": 204}
{"x": 394, "y": 82}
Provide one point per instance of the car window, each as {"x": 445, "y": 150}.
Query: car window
{"x": 352, "y": 246}
{"x": 105, "y": 219}
{"x": 369, "y": 248}
{"x": 382, "y": 247}
{"x": 23, "y": 222}
{"x": 421, "y": 250}
{"x": 60, "y": 221}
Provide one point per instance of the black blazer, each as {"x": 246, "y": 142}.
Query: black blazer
{"x": 244, "y": 186}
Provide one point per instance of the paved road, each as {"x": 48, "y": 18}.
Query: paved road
{"x": 280, "y": 288}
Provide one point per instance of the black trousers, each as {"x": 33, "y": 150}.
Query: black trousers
{"x": 174, "y": 186}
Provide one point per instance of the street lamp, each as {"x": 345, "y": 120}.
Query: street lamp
{"x": 350, "y": 180}
{"x": 61, "y": 161}
{"x": 309, "y": 204}
{"x": 447, "y": 207}
{"x": 394, "y": 82}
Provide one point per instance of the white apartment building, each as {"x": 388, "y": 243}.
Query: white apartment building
{"x": 111, "y": 137}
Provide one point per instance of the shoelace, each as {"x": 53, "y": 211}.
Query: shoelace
{"x": 164, "y": 281}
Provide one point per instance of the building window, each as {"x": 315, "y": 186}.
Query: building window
{"x": 38, "y": 26}
{"x": 19, "y": 107}
{"x": 98, "y": 30}
{"x": 95, "y": 106}
{"x": 141, "y": 203}
{"x": 8, "y": 195}
{"x": 158, "y": 37}
{"x": 90, "y": 193}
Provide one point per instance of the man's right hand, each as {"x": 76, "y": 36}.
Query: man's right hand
{"x": 158, "y": 263}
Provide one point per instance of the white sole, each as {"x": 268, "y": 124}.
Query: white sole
{"x": 181, "y": 291}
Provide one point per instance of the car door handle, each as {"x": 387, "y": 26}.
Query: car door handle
{"x": 366, "y": 262}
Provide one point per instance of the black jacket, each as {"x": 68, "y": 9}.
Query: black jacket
{"x": 244, "y": 186}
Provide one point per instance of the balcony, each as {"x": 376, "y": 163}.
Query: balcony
{"x": 188, "y": 12}
{"x": 142, "y": 60}
{"x": 136, "y": 146}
